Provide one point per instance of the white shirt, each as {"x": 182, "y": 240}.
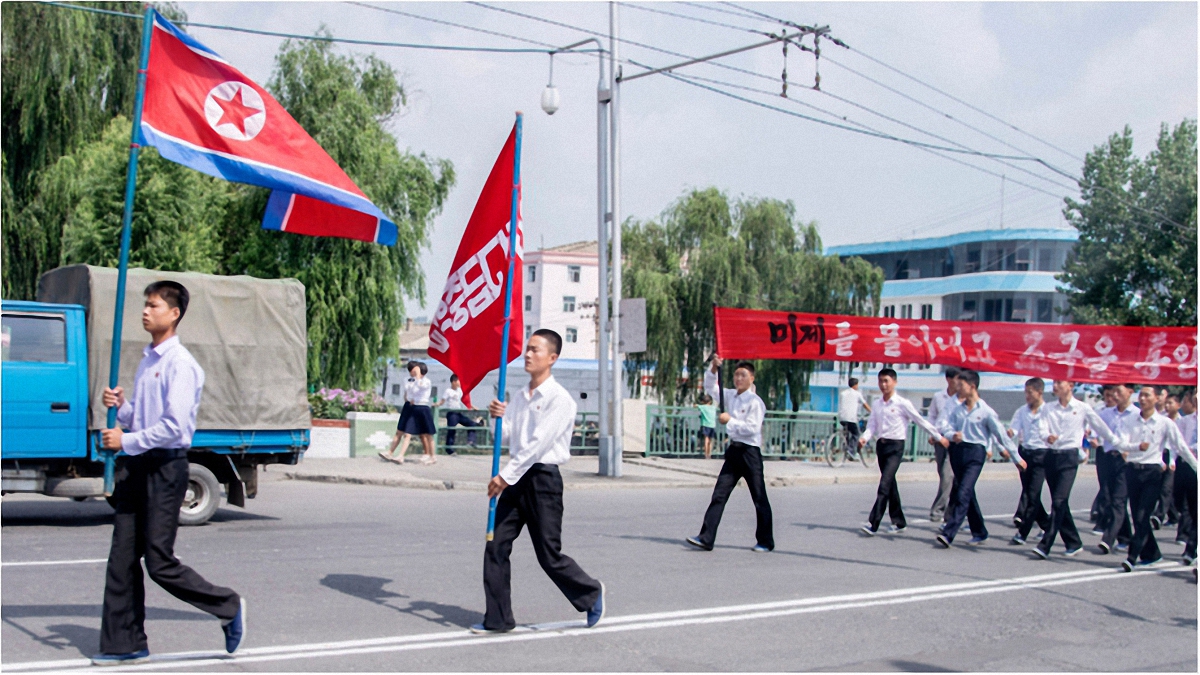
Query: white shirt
{"x": 940, "y": 407}
{"x": 849, "y": 401}
{"x": 417, "y": 391}
{"x": 979, "y": 425}
{"x": 1158, "y": 431}
{"x": 1113, "y": 418}
{"x": 537, "y": 427}
{"x": 890, "y": 417}
{"x": 1069, "y": 423}
{"x": 1031, "y": 428}
{"x": 166, "y": 396}
{"x": 452, "y": 399}
{"x": 1187, "y": 429}
{"x": 746, "y": 411}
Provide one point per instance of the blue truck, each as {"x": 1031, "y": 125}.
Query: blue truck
{"x": 247, "y": 334}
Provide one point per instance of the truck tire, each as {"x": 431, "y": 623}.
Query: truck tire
{"x": 202, "y": 498}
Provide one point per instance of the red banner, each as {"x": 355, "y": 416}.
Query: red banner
{"x": 469, "y": 323}
{"x": 1053, "y": 351}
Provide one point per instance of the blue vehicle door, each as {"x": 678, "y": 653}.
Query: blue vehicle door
{"x": 44, "y": 382}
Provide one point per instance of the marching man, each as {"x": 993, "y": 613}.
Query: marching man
{"x": 743, "y": 420}
{"x": 151, "y": 483}
{"x": 537, "y": 426}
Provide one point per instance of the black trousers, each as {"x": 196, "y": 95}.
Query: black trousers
{"x": 1101, "y": 512}
{"x": 741, "y": 461}
{"x": 1165, "y": 509}
{"x": 890, "y": 453}
{"x": 851, "y": 432}
{"x": 1029, "y": 508}
{"x": 1061, "y": 468}
{"x": 1145, "y": 484}
{"x": 454, "y": 418}
{"x": 537, "y": 501}
{"x": 1185, "y": 492}
{"x": 967, "y": 460}
{"x": 1118, "y": 528}
{"x": 149, "y": 491}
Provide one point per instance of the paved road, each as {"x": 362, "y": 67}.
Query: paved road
{"x": 353, "y": 577}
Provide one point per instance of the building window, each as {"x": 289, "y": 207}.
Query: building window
{"x": 972, "y": 261}
{"x": 1045, "y": 260}
{"x": 968, "y": 311}
{"x": 1020, "y": 310}
{"x": 568, "y": 303}
{"x": 528, "y": 332}
{"x": 1023, "y": 260}
{"x": 901, "y": 269}
{"x": 927, "y": 312}
{"x": 573, "y": 273}
{"x": 998, "y": 309}
{"x": 905, "y": 311}
{"x": 572, "y": 335}
{"x": 1045, "y": 310}
{"x": 395, "y": 390}
{"x": 889, "y": 311}
{"x": 995, "y": 260}
{"x": 532, "y": 273}
{"x": 528, "y": 303}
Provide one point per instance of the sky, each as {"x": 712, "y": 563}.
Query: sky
{"x": 1059, "y": 77}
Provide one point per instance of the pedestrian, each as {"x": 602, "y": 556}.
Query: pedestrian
{"x": 1101, "y": 506}
{"x": 888, "y": 423}
{"x": 1142, "y": 440}
{"x": 1164, "y": 511}
{"x": 538, "y": 424}
{"x": 1185, "y": 478}
{"x": 416, "y": 417}
{"x": 943, "y": 402}
{"x": 708, "y": 423}
{"x": 1029, "y": 427}
{"x": 1117, "y": 531}
{"x": 970, "y": 425}
{"x": 452, "y": 403}
{"x": 154, "y": 432}
{"x": 849, "y": 402}
{"x": 743, "y": 419}
{"x": 1185, "y": 474}
{"x": 1068, "y": 421}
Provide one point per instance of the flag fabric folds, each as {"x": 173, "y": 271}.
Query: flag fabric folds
{"x": 203, "y": 113}
{"x": 468, "y": 326}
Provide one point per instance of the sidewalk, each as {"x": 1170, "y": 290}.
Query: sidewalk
{"x": 471, "y": 472}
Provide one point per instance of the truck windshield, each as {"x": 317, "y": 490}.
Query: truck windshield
{"x": 33, "y": 337}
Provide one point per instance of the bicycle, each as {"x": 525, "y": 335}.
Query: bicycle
{"x": 835, "y": 450}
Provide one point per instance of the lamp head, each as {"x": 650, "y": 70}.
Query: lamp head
{"x": 550, "y": 99}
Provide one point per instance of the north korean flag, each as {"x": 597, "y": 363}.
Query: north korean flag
{"x": 203, "y": 113}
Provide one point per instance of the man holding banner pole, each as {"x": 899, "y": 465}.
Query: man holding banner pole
{"x": 537, "y": 425}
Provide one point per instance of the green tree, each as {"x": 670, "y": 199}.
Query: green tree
{"x": 355, "y": 289}
{"x": 66, "y": 75}
{"x": 1135, "y": 262}
{"x": 753, "y": 253}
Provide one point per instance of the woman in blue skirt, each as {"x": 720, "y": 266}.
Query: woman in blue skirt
{"x": 416, "y": 417}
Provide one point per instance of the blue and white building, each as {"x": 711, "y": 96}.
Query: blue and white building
{"x": 986, "y": 275}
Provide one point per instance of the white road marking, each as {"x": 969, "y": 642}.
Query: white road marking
{"x": 637, "y": 622}
{"x": 34, "y": 563}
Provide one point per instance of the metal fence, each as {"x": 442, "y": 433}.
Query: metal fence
{"x": 675, "y": 431}
{"x": 585, "y": 440}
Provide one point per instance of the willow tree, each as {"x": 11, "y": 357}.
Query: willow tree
{"x": 355, "y": 290}
{"x": 67, "y": 74}
{"x": 752, "y": 253}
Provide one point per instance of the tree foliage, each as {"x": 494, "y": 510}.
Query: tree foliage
{"x": 1135, "y": 262}
{"x": 184, "y": 220}
{"x": 751, "y": 253}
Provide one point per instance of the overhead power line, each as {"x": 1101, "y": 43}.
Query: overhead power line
{"x": 694, "y": 18}
{"x": 314, "y": 38}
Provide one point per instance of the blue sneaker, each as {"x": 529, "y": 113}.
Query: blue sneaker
{"x": 1122, "y": 547}
{"x": 976, "y": 541}
{"x": 597, "y": 611}
{"x": 235, "y": 628}
{"x": 120, "y": 659}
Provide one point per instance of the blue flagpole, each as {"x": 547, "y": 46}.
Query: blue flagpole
{"x": 512, "y": 262}
{"x": 114, "y": 364}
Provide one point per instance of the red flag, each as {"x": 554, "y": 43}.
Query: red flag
{"x": 469, "y": 323}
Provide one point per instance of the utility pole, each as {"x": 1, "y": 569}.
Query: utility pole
{"x": 618, "y": 390}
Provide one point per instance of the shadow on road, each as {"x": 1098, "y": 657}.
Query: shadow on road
{"x": 372, "y": 590}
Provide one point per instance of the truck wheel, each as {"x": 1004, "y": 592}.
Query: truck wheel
{"x": 202, "y": 498}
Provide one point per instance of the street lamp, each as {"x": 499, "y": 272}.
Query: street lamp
{"x": 550, "y": 93}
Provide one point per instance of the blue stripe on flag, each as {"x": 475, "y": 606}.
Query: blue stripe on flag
{"x": 277, "y": 208}
{"x": 182, "y": 36}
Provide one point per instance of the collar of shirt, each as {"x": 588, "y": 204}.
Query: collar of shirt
{"x": 162, "y": 348}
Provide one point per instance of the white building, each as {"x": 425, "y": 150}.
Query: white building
{"x": 561, "y": 288}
